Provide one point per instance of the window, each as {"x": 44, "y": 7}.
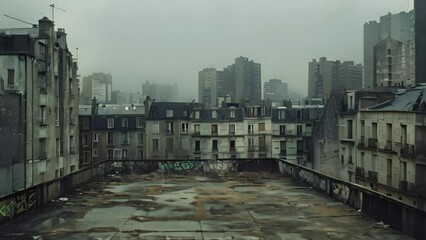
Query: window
{"x": 169, "y": 113}
{"x": 197, "y": 114}
{"x": 125, "y": 138}
{"x": 232, "y": 113}
{"x": 42, "y": 148}
{"x": 43, "y": 82}
{"x": 282, "y": 129}
{"x": 56, "y": 117}
{"x": 389, "y": 131}
{"x": 110, "y": 154}
{"x": 110, "y": 138}
{"x": 58, "y": 146}
{"x": 299, "y": 146}
{"x": 184, "y": 127}
{"x": 85, "y": 123}
{"x": 261, "y": 127}
{"x": 110, "y": 122}
{"x": 155, "y": 128}
{"x": 373, "y": 162}
{"x": 283, "y": 148}
{"x": 10, "y": 77}
{"x": 42, "y": 115}
{"x": 214, "y": 129}
{"x": 124, "y": 154}
{"x": 155, "y": 145}
{"x": 197, "y": 146}
{"x": 262, "y": 143}
{"x": 299, "y": 129}
{"x": 95, "y": 152}
{"x": 42, "y": 49}
{"x": 214, "y": 114}
{"x": 350, "y": 129}
{"x": 250, "y": 129}
{"x": 362, "y": 160}
{"x": 232, "y": 145}
{"x": 374, "y": 131}
{"x": 281, "y": 114}
{"x": 96, "y": 137}
{"x": 124, "y": 122}
{"x": 84, "y": 139}
{"x": 140, "y": 138}
{"x": 231, "y": 129}
{"x": 169, "y": 129}
{"x": 214, "y": 145}
{"x": 299, "y": 114}
{"x": 140, "y": 154}
{"x": 139, "y": 122}
{"x": 251, "y": 144}
{"x": 197, "y": 129}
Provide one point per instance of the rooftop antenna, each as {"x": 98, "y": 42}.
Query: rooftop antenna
{"x": 53, "y": 11}
{"x": 17, "y": 19}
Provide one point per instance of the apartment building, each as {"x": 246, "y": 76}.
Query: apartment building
{"x": 38, "y": 98}
{"x": 99, "y": 86}
{"x": 258, "y": 131}
{"x": 168, "y": 130}
{"x": 111, "y": 132}
{"x": 391, "y": 147}
{"x": 292, "y": 133}
{"x": 218, "y": 133}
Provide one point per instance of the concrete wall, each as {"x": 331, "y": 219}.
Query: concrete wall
{"x": 37, "y": 196}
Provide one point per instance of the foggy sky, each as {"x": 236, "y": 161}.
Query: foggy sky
{"x": 169, "y": 41}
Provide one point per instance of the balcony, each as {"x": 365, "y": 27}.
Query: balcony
{"x": 361, "y": 143}
{"x": 388, "y": 146}
{"x": 372, "y": 143}
{"x": 283, "y": 153}
{"x": 197, "y": 133}
{"x": 214, "y": 133}
{"x": 407, "y": 150}
{"x": 197, "y": 151}
{"x": 232, "y": 149}
{"x": 43, "y": 122}
{"x": 231, "y": 132}
{"x": 251, "y": 148}
{"x": 372, "y": 176}
{"x": 125, "y": 142}
{"x": 214, "y": 150}
{"x": 43, "y": 155}
{"x": 359, "y": 172}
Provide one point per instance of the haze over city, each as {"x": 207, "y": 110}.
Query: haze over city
{"x": 170, "y": 41}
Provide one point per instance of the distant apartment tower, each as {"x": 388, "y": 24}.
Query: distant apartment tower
{"x": 38, "y": 102}
{"x": 207, "y": 87}
{"x": 275, "y": 90}
{"x": 390, "y": 65}
{"x": 99, "y": 86}
{"x": 160, "y": 92}
{"x": 325, "y": 76}
{"x": 247, "y": 77}
{"x": 396, "y": 26}
{"x": 420, "y": 40}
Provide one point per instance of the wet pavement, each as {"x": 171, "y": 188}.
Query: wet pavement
{"x": 205, "y": 206}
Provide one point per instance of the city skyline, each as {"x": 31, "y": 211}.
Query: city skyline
{"x": 162, "y": 54}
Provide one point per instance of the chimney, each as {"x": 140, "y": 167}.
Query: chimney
{"x": 45, "y": 27}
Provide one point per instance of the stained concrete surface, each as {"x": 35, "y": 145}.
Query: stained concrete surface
{"x": 208, "y": 206}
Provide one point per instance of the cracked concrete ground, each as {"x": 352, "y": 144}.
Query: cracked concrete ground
{"x": 205, "y": 206}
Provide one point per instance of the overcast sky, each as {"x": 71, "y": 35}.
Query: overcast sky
{"x": 171, "y": 40}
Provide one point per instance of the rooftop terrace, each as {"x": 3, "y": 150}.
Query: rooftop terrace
{"x": 163, "y": 205}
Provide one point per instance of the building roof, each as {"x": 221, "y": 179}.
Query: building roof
{"x": 413, "y": 99}
{"x": 125, "y": 109}
{"x": 181, "y": 110}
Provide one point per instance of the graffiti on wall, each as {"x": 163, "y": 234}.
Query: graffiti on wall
{"x": 10, "y": 208}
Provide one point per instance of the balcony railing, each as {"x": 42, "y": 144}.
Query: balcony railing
{"x": 359, "y": 172}
{"x": 403, "y": 186}
{"x": 251, "y": 148}
{"x": 407, "y": 150}
{"x": 262, "y": 148}
{"x": 361, "y": 143}
{"x": 388, "y": 146}
{"x": 372, "y": 143}
{"x": 232, "y": 149}
{"x": 372, "y": 176}
{"x": 43, "y": 155}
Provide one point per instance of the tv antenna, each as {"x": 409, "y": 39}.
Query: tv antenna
{"x": 20, "y": 20}
{"x": 53, "y": 11}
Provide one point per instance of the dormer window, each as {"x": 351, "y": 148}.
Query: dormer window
{"x": 214, "y": 114}
{"x": 232, "y": 113}
{"x": 169, "y": 113}
{"x": 197, "y": 114}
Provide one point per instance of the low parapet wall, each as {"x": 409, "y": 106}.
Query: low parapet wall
{"x": 39, "y": 195}
{"x": 398, "y": 215}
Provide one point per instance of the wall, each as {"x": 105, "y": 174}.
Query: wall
{"x": 40, "y": 195}
{"x": 398, "y": 215}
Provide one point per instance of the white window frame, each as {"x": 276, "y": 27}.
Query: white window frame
{"x": 184, "y": 127}
{"x": 95, "y": 152}
{"x": 110, "y": 122}
{"x": 95, "y": 137}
